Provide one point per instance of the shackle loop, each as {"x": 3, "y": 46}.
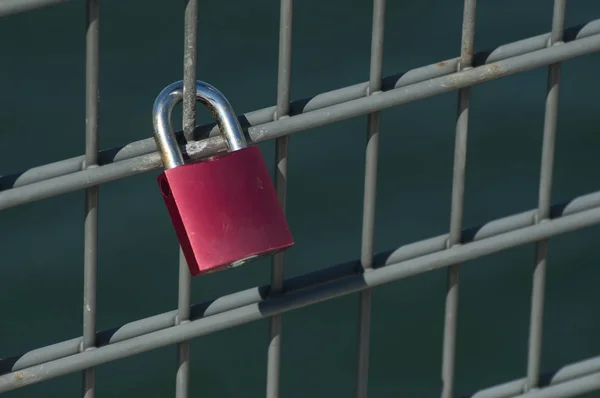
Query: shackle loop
{"x": 212, "y": 99}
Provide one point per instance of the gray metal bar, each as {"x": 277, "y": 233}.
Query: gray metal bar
{"x": 334, "y": 97}
{"x": 305, "y": 121}
{"x": 190, "y": 63}
{"x": 182, "y": 375}
{"x": 457, "y": 205}
{"x": 168, "y": 319}
{"x": 253, "y": 295}
{"x": 286, "y": 11}
{"x": 392, "y": 270}
{"x": 369, "y": 199}
{"x": 90, "y": 262}
{"x": 566, "y": 373}
{"x": 9, "y": 7}
{"x": 544, "y": 198}
{"x": 284, "y": 72}
{"x": 184, "y": 300}
{"x": 571, "y": 388}
{"x": 183, "y": 314}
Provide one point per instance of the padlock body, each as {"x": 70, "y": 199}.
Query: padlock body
{"x": 225, "y": 210}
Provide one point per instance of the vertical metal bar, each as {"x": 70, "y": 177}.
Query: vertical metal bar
{"x": 369, "y": 199}
{"x": 281, "y": 162}
{"x": 190, "y": 61}
{"x": 457, "y": 207}
{"x": 183, "y": 315}
{"x": 91, "y": 194}
{"x": 545, "y": 188}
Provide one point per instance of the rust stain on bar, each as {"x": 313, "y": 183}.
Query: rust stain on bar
{"x": 23, "y": 378}
{"x": 484, "y": 73}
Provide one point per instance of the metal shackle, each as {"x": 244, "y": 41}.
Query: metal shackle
{"x": 212, "y": 99}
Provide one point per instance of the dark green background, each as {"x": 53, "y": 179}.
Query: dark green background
{"x": 42, "y": 75}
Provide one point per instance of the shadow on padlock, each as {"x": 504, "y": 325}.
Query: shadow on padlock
{"x": 224, "y": 208}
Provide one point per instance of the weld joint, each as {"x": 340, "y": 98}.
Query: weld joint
{"x": 537, "y": 219}
{"x": 461, "y": 68}
{"x": 276, "y": 117}
{"x": 81, "y": 349}
{"x": 84, "y": 165}
{"x": 550, "y": 43}
{"x": 368, "y": 92}
{"x": 450, "y": 246}
{"x": 180, "y": 322}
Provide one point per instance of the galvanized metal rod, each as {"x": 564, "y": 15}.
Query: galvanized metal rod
{"x": 457, "y": 205}
{"x": 284, "y": 71}
{"x": 572, "y": 388}
{"x": 190, "y": 62}
{"x": 281, "y": 168}
{"x": 9, "y": 7}
{"x": 184, "y": 301}
{"x": 305, "y": 121}
{"x": 369, "y": 199}
{"x": 391, "y": 271}
{"x": 566, "y": 373}
{"x": 182, "y": 375}
{"x": 322, "y": 100}
{"x": 90, "y": 262}
{"x": 253, "y": 295}
{"x": 544, "y": 201}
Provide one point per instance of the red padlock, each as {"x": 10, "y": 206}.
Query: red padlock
{"x": 224, "y": 208}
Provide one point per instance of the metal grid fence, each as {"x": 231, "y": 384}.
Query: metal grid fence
{"x": 277, "y": 122}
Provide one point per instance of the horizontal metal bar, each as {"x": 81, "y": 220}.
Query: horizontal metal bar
{"x": 359, "y": 107}
{"x": 571, "y": 388}
{"x": 561, "y": 375}
{"x": 393, "y": 269}
{"x": 137, "y": 149}
{"x": 167, "y": 319}
{"x": 426, "y": 89}
{"x": 255, "y": 294}
{"x": 9, "y": 7}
